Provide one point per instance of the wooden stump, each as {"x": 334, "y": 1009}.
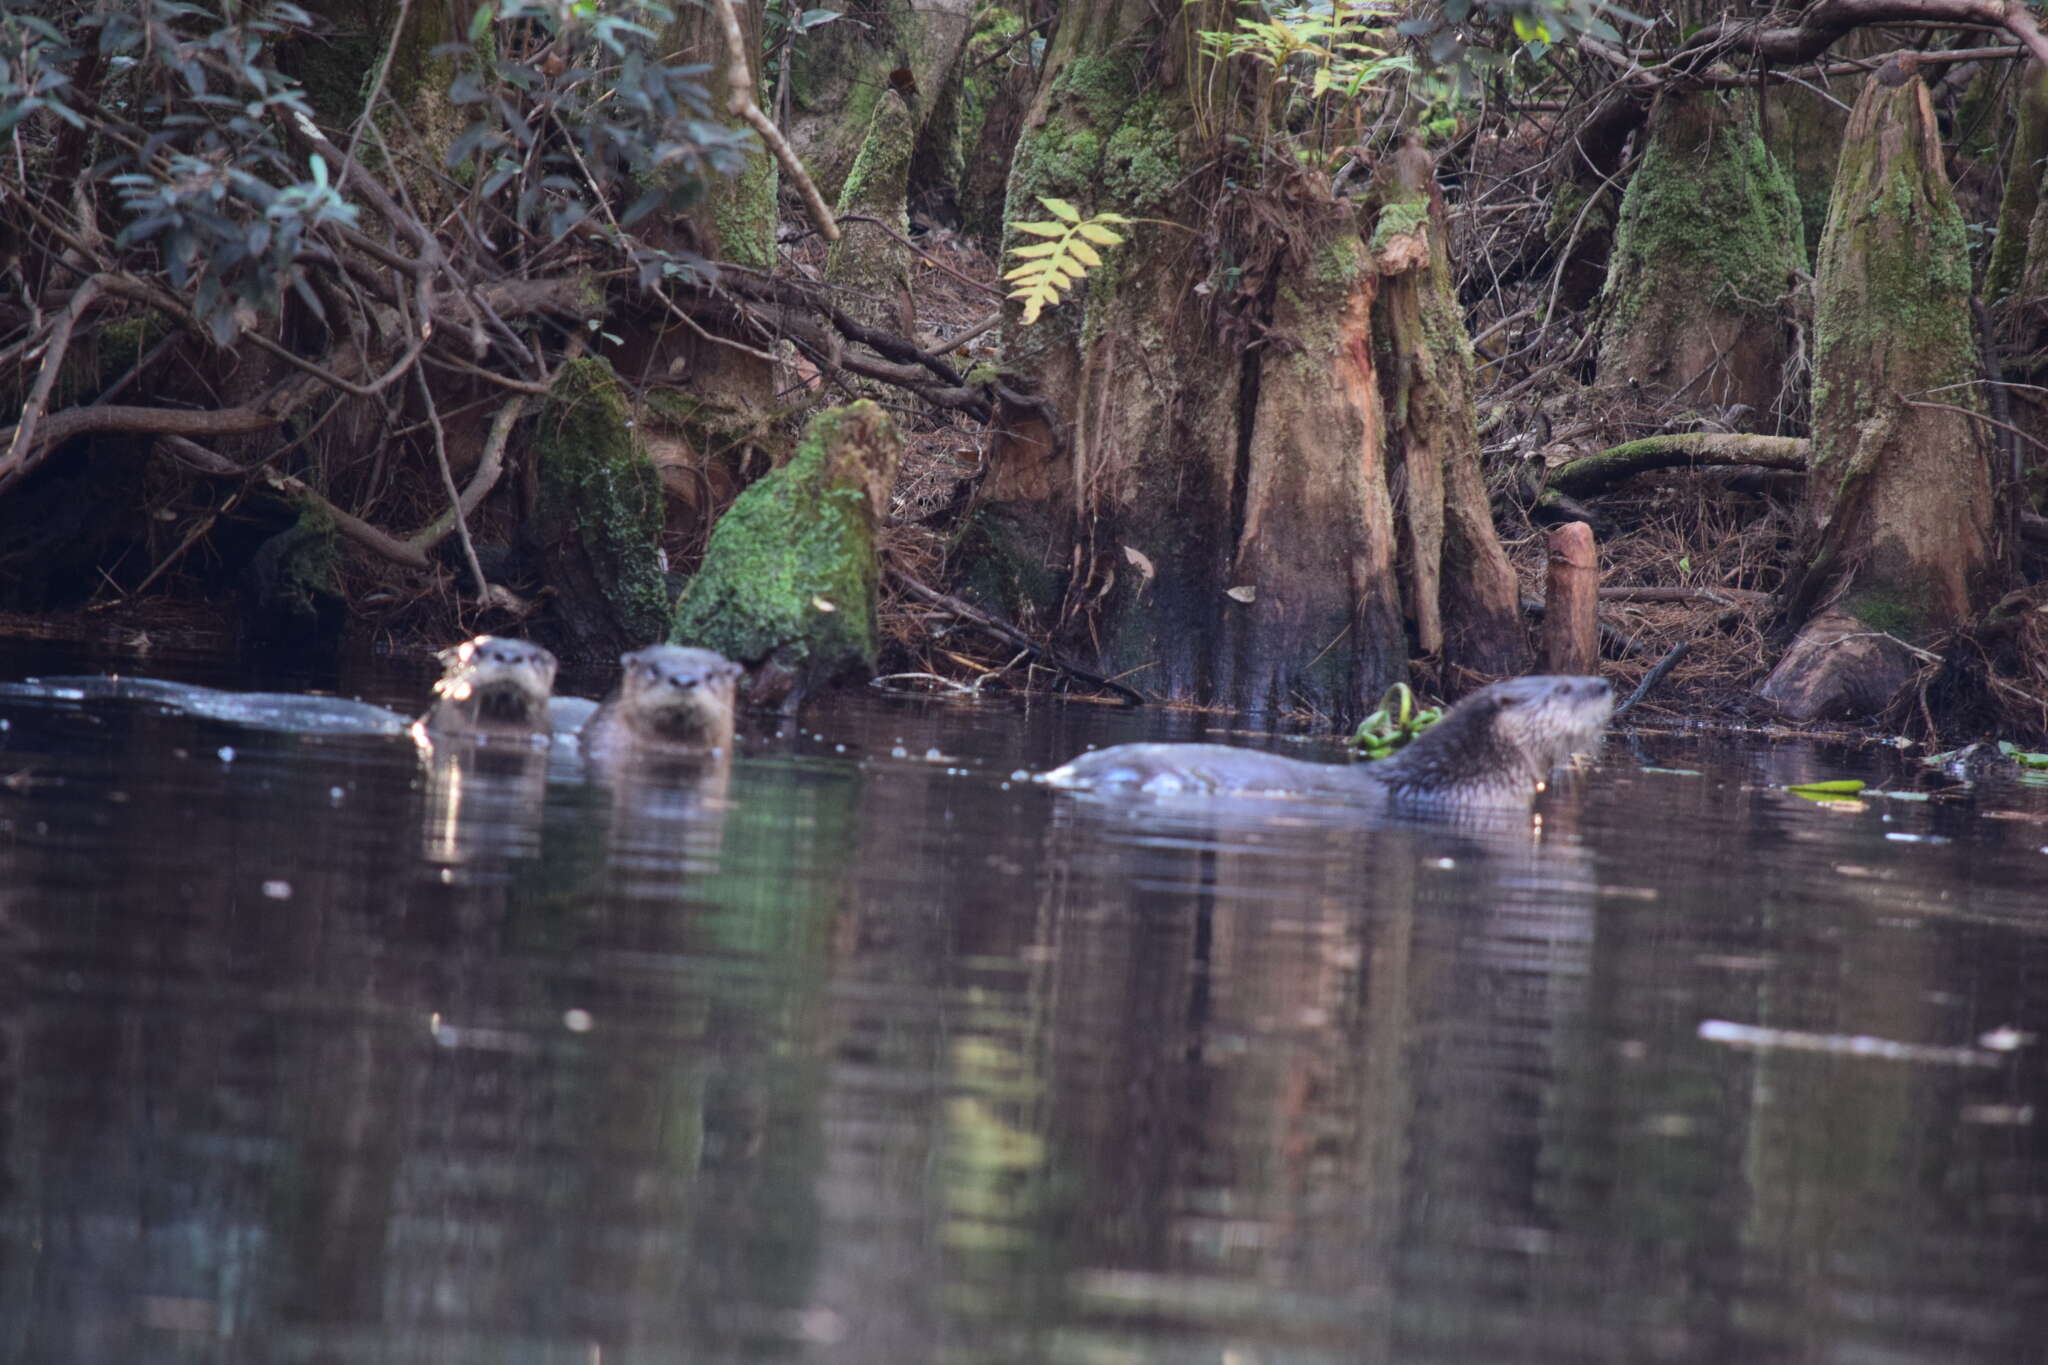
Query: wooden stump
{"x": 1570, "y": 641}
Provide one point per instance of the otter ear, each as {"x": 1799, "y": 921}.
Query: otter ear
{"x": 732, "y": 670}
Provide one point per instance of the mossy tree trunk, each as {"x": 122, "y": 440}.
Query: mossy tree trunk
{"x": 872, "y": 266}
{"x": 716, "y": 427}
{"x": 789, "y": 582}
{"x": 843, "y": 69}
{"x": 1205, "y": 505}
{"x": 597, "y": 518}
{"x": 1898, "y": 506}
{"x": 1709, "y": 242}
{"x": 1454, "y": 569}
{"x": 2019, "y": 207}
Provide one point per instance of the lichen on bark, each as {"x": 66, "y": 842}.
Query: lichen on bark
{"x": 789, "y": 580}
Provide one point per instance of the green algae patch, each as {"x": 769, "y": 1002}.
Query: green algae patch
{"x": 598, "y": 515}
{"x": 790, "y": 577}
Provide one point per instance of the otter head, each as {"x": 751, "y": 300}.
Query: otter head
{"x": 495, "y": 683}
{"x": 1498, "y": 745}
{"x": 679, "y": 696}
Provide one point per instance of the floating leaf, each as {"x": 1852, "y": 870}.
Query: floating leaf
{"x": 2022, "y": 756}
{"x": 1139, "y": 562}
{"x": 1837, "y": 786}
{"x": 822, "y": 605}
{"x": 1246, "y": 592}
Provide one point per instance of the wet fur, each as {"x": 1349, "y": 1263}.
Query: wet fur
{"x": 1494, "y": 748}
{"x": 492, "y": 686}
{"x": 670, "y": 700}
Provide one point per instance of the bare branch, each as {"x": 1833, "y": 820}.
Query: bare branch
{"x": 19, "y": 443}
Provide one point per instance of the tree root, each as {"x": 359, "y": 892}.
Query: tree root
{"x": 1044, "y": 652}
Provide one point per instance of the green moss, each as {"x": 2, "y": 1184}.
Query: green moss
{"x": 994, "y": 27}
{"x": 982, "y": 373}
{"x": 1397, "y": 219}
{"x": 1141, "y": 163}
{"x": 801, "y": 535}
{"x": 881, "y": 170}
{"x": 1710, "y": 208}
{"x": 1894, "y": 287}
{"x": 1106, "y": 143}
{"x": 598, "y": 490}
{"x": 743, "y": 209}
{"x": 309, "y": 565}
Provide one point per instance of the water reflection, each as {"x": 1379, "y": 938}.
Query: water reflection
{"x": 856, "y": 1050}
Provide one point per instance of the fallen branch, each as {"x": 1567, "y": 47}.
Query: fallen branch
{"x": 1652, "y": 678}
{"x": 1045, "y": 653}
{"x": 1598, "y": 472}
{"x": 347, "y": 524}
{"x": 1724, "y": 597}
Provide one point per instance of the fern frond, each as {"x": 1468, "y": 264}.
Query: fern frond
{"x": 1050, "y": 268}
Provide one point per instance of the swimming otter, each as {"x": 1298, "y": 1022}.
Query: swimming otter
{"x": 670, "y": 700}
{"x": 1494, "y": 748}
{"x": 491, "y": 687}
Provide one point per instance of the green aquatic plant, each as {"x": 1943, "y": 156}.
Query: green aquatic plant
{"x": 2022, "y": 756}
{"x": 1396, "y": 724}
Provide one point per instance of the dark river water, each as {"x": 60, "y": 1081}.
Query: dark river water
{"x": 865, "y": 1052}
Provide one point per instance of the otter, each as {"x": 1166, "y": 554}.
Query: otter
{"x": 1496, "y": 748}
{"x": 491, "y": 688}
{"x": 671, "y": 701}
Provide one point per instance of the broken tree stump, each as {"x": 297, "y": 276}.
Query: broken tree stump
{"x": 1569, "y": 641}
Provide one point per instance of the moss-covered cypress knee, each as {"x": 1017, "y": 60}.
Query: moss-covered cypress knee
{"x": 789, "y": 579}
{"x": 597, "y": 521}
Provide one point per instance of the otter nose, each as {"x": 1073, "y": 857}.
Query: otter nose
{"x": 686, "y": 681}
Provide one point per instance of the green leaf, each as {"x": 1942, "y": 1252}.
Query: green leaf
{"x": 1838, "y": 786}
{"x": 1099, "y": 235}
{"x": 2022, "y": 756}
{"x": 1060, "y": 208}
{"x": 1042, "y": 229}
{"x": 1036, "y": 249}
{"x": 480, "y": 22}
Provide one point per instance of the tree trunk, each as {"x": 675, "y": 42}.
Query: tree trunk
{"x": 2016, "y": 211}
{"x": 985, "y": 184}
{"x": 1462, "y": 598}
{"x": 1898, "y": 504}
{"x": 873, "y": 265}
{"x": 1709, "y": 242}
{"x": 841, "y": 70}
{"x": 1204, "y": 504}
